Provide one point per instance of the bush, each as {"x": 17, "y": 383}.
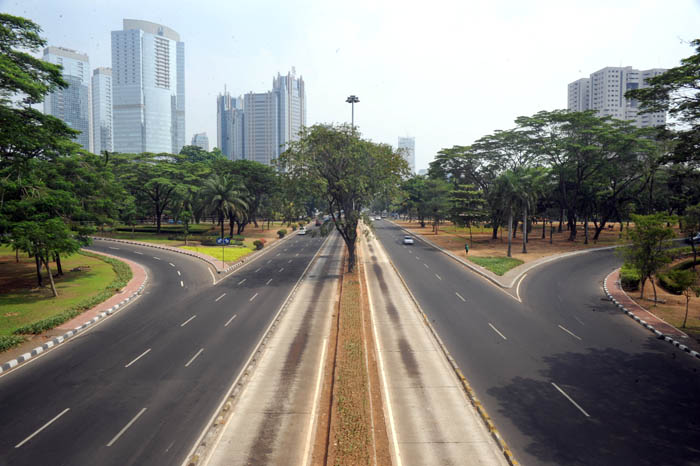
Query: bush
{"x": 209, "y": 241}
{"x": 258, "y": 244}
{"x": 629, "y": 278}
{"x": 8, "y": 341}
{"x": 281, "y": 233}
{"x": 237, "y": 238}
{"x": 294, "y": 228}
{"x": 237, "y": 242}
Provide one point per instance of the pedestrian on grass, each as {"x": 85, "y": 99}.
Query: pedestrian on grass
{"x": 466, "y": 248}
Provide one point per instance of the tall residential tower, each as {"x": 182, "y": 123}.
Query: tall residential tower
{"x": 148, "y": 66}
{"x": 71, "y": 104}
{"x": 102, "y": 110}
{"x": 407, "y": 147}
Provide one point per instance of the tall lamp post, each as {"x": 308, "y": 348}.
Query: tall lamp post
{"x": 352, "y": 100}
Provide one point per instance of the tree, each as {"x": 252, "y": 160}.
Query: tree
{"x": 435, "y": 202}
{"x": 467, "y": 207}
{"x": 346, "y": 171}
{"x": 648, "y": 249}
{"x": 685, "y": 279}
{"x": 224, "y": 194}
{"x": 691, "y": 227}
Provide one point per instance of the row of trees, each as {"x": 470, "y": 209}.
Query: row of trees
{"x": 571, "y": 167}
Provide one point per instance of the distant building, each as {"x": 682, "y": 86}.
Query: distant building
{"x": 102, "y": 110}
{"x": 407, "y": 147}
{"x": 71, "y": 104}
{"x": 262, "y": 138}
{"x": 291, "y": 97}
{"x": 423, "y": 171}
{"x": 605, "y": 91}
{"x": 148, "y": 66}
{"x": 229, "y": 126}
{"x": 201, "y": 140}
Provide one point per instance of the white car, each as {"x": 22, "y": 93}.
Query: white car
{"x": 408, "y": 239}
{"x": 302, "y": 231}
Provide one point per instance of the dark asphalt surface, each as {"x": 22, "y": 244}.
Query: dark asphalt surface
{"x": 567, "y": 378}
{"x": 172, "y": 390}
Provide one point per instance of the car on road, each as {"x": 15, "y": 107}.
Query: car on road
{"x": 302, "y": 231}
{"x": 694, "y": 240}
{"x": 408, "y": 239}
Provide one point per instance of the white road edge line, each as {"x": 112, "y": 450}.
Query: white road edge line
{"x": 268, "y": 282}
{"x": 385, "y": 392}
{"x": 139, "y": 357}
{"x": 116, "y": 437}
{"x": 438, "y": 277}
{"x": 571, "y": 400}
{"x": 213, "y": 278}
{"x": 229, "y": 321}
{"x": 496, "y": 330}
{"x": 254, "y": 296}
{"x": 517, "y": 289}
{"x": 460, "y": 297}
{"x": 188, "y": 321}
{"x": 241, "y": 282}
{"x": 569, "y": 332}
{"x": 312, "y": 419}
{"x": 42, "y": 428}
{"x": 194, "y": 357}
{"x": 220, "y": 297}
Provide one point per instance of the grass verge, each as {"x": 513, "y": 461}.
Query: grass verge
{"x": 497, "y": 265}
{"x": 227, "y": 253}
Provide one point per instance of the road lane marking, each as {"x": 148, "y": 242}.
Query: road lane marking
{"x": 571, "y": 400}
{"x": 213, "y": 278}
{"x": 460, "y": 297}
{"x": 229, "y": 321}
{"x": 579, "y": 320}
{"x": 278, "y": 254}
{"x": 269, "y": 261}
{"x": 289, "y": 261}
{"x": 179, "y": 274}
{"x": 268, "y": 282}
{"x": 182, "y": 284}
{"x": 139, "y": 253}
{"x": 194, "y": 357}
{"x": 156, "y": 258}
{"x": 171, "y": 264}
{"x": 296, "y": 255}
{"x": 438, "y": 277}
{"x": 426, "y": 265}
{"x": 417, "y": 258}
{"x": 281, "y": 269}
{"x": 42, "y": 428}
{"x": 312, "y": 418}
{"x": 188, "y": 321}
{"x": 139, "y": 357}
{"x": 254, "y": 296}
{"x": 116, "y": 437}
{"x": 496, "y": 330}
{"x": 258, "y": 269}
{"x": 517, "y": 289}
{"x": 241, "y": 282}
{"x": 112, "y": 247}
{"x": 217, "y": 299}
{"x": 569, "y": 332}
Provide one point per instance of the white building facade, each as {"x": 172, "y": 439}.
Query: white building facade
{"x": 291, "y": 97}
{"x": 407, "y": 147}
{"x": 102, "y": 110}
{"x": 148, "y": 67}
{"x": 261, "y": 128}
{"x": 71, "y": 104}
{"x": 605, "y": 91}
{"x": 229, "y": 126}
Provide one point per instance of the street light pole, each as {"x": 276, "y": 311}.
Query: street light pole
{"x": 352, "y": 100}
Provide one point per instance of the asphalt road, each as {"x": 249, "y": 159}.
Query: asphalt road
{"x": 567, "y": 378}
{"x": 140, "y": 386}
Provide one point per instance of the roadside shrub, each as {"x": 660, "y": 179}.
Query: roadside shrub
{"x": 8, "y": 341}
{"x": 294, "y": 228}
{"x": 237, "y": 242}
{"x": 629, "y": 278}
{"x": 209, "y": 241}
{"x": 667, "y": 282}
{"x": 281, "y": 233}
{"x": 237, "y": 238}
{"x": 258, "y": 244}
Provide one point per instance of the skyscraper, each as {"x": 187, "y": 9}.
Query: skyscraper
{"x": 407, "y": 147}
{"x": 148, "y": 65}
{"x": 261, "y": 127}
{"x": 291, "y": 98}
{"x": 201, "y": 140}
{"x": 102, "y": 110}
{"x": 229, "y": 126}
{"x": 605, "y": 91}
{"x": 71, "y": 104}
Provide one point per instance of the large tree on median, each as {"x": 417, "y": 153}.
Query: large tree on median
{"x": 344, "y": 170}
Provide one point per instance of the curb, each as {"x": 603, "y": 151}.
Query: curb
{"x": 507, "y": 453}
{"x": 487, "y": 274}
{"x": 208, "y": 439}
{"x": 643, "y": 323}
{"x": 60, "y": 339}
{"x": 214, "y": 263}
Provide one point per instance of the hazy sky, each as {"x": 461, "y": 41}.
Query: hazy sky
{"x": 445, "y": 72}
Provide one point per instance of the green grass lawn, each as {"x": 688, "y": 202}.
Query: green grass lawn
{"x": 227, "y": 253}
{"x": 497, "y": 265}
{"x": 23, "y": 303}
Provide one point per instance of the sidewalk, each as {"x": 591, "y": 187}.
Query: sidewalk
{"x": 79, "y": 323}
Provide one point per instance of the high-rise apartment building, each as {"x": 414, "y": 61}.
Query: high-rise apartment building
{"x": 102, "y": 110}
{"x": 291, "y": 106}
{"x": 201, "y": 140}
{"x": 605, "y": 91}
{"x": 229, "y": 126}
{"x": 71, "y": 104}
{"x": 407, "y": 147}
{"x": 261, "y": 127}
{"x": 148, "y": 67}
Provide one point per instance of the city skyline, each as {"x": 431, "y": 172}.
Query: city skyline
{"x": 466, "y": 73}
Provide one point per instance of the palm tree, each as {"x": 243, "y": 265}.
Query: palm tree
{"x": 224, "y": 194}
{"x": 507, "y": 188}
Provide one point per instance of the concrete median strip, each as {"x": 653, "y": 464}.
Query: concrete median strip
{"x": 619, "y": 293}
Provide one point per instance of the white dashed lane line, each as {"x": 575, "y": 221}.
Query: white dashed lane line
{"x": 278, "y": 254}
{"x": 182, "y": 284}
{"x": 229, "y": 321}
{"x": 496, "y": 330}
{"x": 569, "y": 332}
{"x": 258, "y": 269}
{"x": 188, "y": 321}
{"x": 156, "y": 258}
{"x": 289, "y": 261}
{"x": 178, "y": 273}
{"x": 426, "y": 266}
{"x": 460, "y": 297}
{"x": 139, "y": 253}
{"x": 241, "y": 282}
{"x": 268, "y": 282}
{"x": 571, "y": 400}
{"x": 281, "y": 269}
{"x": 111, "y": 247}
{"x": 42, "y": 428}
{"x": 438, "y": 277}
{"x": 194, "y": 357}
{"x": 220, "y": 297}
{"x": 254, "y": 296}
{"x": 139, "y": 357}
{"x": 116, "y": 437}
{"x": 171, "y": 264}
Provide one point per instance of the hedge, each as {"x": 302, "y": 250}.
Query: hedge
{"x": 629, "y": 278}
{"x": 8, "y": 341}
